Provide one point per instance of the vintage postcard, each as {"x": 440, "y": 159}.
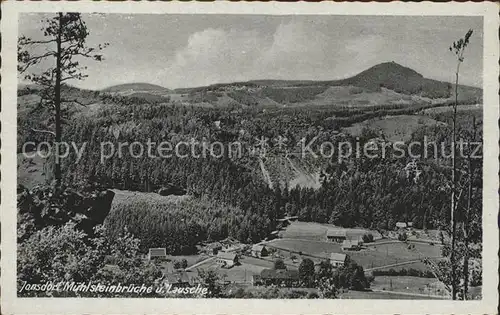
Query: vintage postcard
{"x": 249, "y": 158}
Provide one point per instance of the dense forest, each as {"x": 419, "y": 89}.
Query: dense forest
{"x": 231, "y": 197}
{"x": 93, "y": 215}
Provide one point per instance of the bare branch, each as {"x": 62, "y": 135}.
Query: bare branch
{"x": 32, "y": 60}
{"x": 33, "y": 42}
{"x": 43, "y": 131}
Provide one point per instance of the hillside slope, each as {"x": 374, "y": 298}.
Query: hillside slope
{"x": 383, "y": 84}
{"x": 142, "y": 87}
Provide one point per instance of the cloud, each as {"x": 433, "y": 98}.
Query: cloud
{"x": 183, "y": 51}
{"x": 296, "y": 50}
{"x": 214, "y": 55}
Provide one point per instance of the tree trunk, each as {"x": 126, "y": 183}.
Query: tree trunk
{"x": 57, "y": 105}
{"x": 453, "y": 192}
{"x": 467, "y": 213}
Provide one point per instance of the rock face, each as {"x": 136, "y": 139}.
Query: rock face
{"x": 41, "y": 207}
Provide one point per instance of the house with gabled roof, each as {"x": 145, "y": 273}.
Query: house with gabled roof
{"x": 351, "y": 245}
{"x": 337, "y": 236}
{"x": 157, "y": 253}
{"x": 284, "y": 277}
{"x": 177, "y": 279}
{"x": 259, "y": 250}
{"x": 337, "y": 259}
{"x": 226, "y": 259}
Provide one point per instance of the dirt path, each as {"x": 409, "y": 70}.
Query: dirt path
{"x": 200, "y": 263}
{"x": 400, "y": 264}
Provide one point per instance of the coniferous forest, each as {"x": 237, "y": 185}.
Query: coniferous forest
{"x": 325, "y": 185}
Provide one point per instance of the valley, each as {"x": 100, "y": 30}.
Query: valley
{"x": 210, "y": 214}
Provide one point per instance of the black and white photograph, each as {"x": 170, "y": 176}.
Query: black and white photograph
{"x": 181, "y": 156}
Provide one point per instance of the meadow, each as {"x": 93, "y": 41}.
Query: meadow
{"x": 318, "y": 231}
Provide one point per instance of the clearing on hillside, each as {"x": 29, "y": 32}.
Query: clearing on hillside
{"x": 406, "y": 284}
{"x": 128, "y": 197}
{"x": 394, "y": 128}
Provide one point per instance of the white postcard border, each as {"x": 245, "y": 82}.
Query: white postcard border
{"x": 11, "y": 304}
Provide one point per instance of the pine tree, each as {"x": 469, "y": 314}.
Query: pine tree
{"x": 65, "y": 37}
{"x": 458, "y": 49}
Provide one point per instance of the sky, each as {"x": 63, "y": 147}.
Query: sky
{"x": 188, "y": 50}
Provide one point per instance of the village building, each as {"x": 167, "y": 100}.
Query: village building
{"x": 351, "y": 245}
{"x": 157, "y": 253}
{"x": 259, "y": 251}
{"x": 401, "y": 225}
{"x": 226, "y": 260}
{"x": 177, "y": 279}
{"x": 337, "y": 259}
{"x": 281, "y": 277}
{"x": 337, "y": 236}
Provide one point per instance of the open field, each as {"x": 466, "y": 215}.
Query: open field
{"x": 168, "y": 265}
{"x": 310, "y": 239}
{"x": 429, "y": 236}
{"x": 444, "y": 109}
{"x": 355, "y": 96}
{"x": 394, "y": 253}
{"x": 370, "y": 257}
{"x": 418, "y": 250}
{"x": 241, "y": 273}
{"x": 128, "y": 197}
{"x": 406, "y": 284}
{"x": 394, "y": 128}
{"x": 261, "y": 263}
{"x": 313, "y": 248}
{"x": 418, "y": 265}
{"x": 317, "y": 231}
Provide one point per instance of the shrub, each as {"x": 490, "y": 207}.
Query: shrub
{"x": 177, "y": 264}
{"x": 351, "y": 276}
{"x": 279, "y": 264}
{"x": 184, "y": 263}
{"x": 306, "y": 272}
{"x": 312, "y": 295}
{"x": 402, "y": 237}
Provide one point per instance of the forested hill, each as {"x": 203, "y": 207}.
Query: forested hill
{"x": 369, "y": 192}
{"x": 143, "y": 87}
{"x": 385, "y": 84}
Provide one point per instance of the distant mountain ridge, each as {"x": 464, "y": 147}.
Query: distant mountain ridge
{"x": 390, "y": 75}
{"x": 383, "y": 84}
{"x": 386, "y": 83}
{"x": 139, "y": 86}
